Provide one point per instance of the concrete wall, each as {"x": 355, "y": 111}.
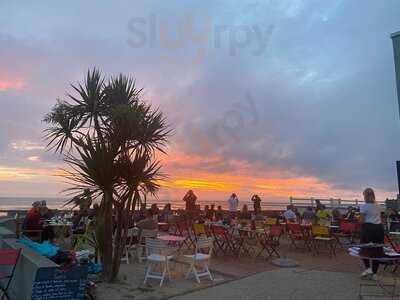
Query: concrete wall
{"x": 28, "y": 264}
{"x": 396, "y": 49}
{"x": 25, "y": 272}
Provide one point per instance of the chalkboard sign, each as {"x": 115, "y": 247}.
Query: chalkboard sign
{"x": 56, "y": 284}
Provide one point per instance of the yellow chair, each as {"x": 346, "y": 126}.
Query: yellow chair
{"x": 271, "y": 221}
{"x": 260, "y": 224}
{"x": 199, "y": 229}
{"x": 322, "y": 234}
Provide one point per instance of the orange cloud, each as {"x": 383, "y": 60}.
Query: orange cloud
{"x": 198, "y": 173}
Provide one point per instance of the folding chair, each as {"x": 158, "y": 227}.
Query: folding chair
{"x": 270, "y": 241}
{"x": 182, "y": 229}
{"x": 159, "y": 254}
{"x": 271, "y": 221}
{"x": 201, "y": 258}
{"x": 322, "y": 234}
{"x": 298, "y": 234}
{"x": 8, "y": 258}
{"x": 220, "y": 241}
{"x": 346, "y": 230}
{"x": 200, "y": 231}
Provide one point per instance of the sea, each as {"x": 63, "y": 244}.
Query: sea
{"x": 24, "y": 203}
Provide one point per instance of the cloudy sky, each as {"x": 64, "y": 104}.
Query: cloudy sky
{"x": 282, "y": 98}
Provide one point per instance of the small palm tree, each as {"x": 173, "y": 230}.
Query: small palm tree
{"x": 109, "y": 138}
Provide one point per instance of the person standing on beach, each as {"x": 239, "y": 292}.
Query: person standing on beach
{"x": 256, "y": 204}
{"x": 233, "y": 203}
{"x": 190, "y": 200}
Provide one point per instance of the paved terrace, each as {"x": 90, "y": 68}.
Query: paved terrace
{"x": 317, "y": 277}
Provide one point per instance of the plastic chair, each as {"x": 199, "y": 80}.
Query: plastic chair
{"x": 8, "y": 258}
{"x": 141, "y": 249}
{"x": 201, "y": 258}
{"x": 131, "y": 236}
{"x": 159, "y": 253}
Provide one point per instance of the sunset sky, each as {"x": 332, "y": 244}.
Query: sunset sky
{"x": 282, "y": 98}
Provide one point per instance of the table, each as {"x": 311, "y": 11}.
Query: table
{"x": 164, "y": 226}
{"x": 378, "y": 283}
{"x": 171, "y": 238}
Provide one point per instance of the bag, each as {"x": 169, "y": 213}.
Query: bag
{"x": 45, "y": 248}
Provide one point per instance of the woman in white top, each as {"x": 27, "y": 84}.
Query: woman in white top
{"x": 371, "y": 228}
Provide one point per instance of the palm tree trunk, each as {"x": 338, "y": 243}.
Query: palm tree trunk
{"x": 104, "y": 235}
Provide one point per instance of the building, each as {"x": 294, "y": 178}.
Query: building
{"x": 396, "y": 48}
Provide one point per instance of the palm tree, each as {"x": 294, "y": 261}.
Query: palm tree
{"x": 109, "y": 138}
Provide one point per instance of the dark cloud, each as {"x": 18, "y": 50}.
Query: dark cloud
{"x": 318, "y": 101}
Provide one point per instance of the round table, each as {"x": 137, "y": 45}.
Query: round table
{"x": 171, "y": 238}
{"x": 378, "y": 283}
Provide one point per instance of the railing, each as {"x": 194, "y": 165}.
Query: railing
{"x": 329, "y": 203}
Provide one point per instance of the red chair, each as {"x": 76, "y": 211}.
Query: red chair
{"x": 8, "y": 258}
{"x": 391, "y": 243}
{"x": 270, "y": 241}
{"x": 347, "y": 230}
{"x": 182, "y": 229}
{"x": 298, "y": 233}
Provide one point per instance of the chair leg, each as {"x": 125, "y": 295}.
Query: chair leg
{"x": 127, "y": 255}
{"x": 163, "y": 274}
{"x": 168, "y": 270}
{"x": 190, "y": 270}
{"x": 147, "y": 272}
{"x": 209, "y": 273}
{"x": 196, "y": 275}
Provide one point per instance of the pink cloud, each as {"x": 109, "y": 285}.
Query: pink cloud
{"x": 11, "y": 85}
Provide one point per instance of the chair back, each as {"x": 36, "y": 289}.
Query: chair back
{"x": 160, "y": 247}
{"x": 182, "y": 227}
{"x": 218, "y": 230}
{"x": 347, "y": 227}
{"x": 294, "y": 228}
{"x": 148, "y": 233}
{"x": 260, "y": 224}
{"x": 271, "y": 221}
{"x": 318, "y": 230}
{"x": 204, "y": 245}
{"x": 389, "y": 241}
{"x": 275, "y": 231}
{"x": 130, "y": 236}
{"x": 199, "y": 229}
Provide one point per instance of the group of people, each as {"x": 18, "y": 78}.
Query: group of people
{"x": 233, "y": 204}
{"x": 369, "y": 215}
{"x": 319, "y": 214}
{"x": 33, "y": 225}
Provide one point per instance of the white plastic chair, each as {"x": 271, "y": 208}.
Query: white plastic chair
{"x": 130, "y": 238}
{"x": 159, "y": 253}
{"x": 141, "y": 250}
{"x": 201, "y": 259}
